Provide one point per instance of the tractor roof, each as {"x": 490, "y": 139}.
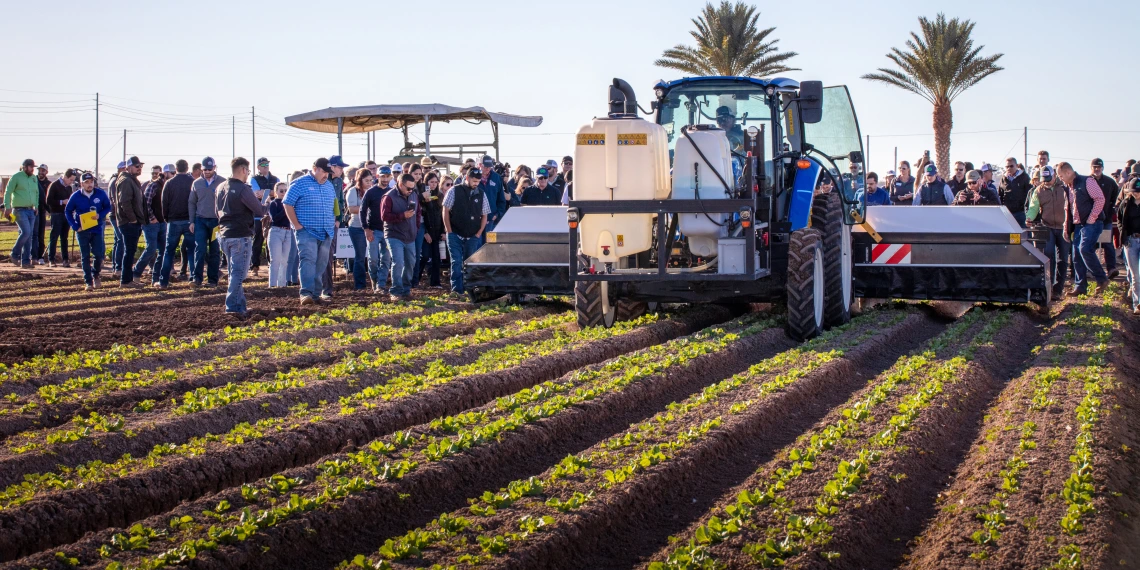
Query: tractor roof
{"x": 778, "y": 82}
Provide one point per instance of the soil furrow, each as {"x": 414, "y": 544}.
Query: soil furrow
{"x": 189, "y": 478}
{"x": 124, "y": 400}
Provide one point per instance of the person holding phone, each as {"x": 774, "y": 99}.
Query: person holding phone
{"x": 902, "y": 189}
{"x": 975, "y": 194}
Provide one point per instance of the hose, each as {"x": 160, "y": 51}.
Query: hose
{"x": 696, "y": 189}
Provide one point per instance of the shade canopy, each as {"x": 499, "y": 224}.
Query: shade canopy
{"x": 369, "y": 118}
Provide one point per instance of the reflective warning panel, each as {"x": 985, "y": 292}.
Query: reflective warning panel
{"x": 598, "y": 139}
{"x": 890, "y": 254}
{"x": 632, "y": 139}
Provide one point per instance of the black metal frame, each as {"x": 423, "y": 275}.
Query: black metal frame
{"x": 663, "y": 208}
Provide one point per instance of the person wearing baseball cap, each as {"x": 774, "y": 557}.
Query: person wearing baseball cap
{"x": 38, "y": 232}
{"x": 176, "y": 211}
{"x": 1128, "y": 216}
{"x": 1111, "y": 193}
{"x": 465, "y": 214}
{"x": 933, "y": 192}
{"x": 492, "y": 185}
{"x": 21, "y": 199}
{"x": 57, "y": 195}
{"x": 1047, "y": 205}
{"x": 203, "y": 210}
{"x": 92, "y": 247}
{"x": 264, "y": 181}
{"x": 542, "y": 193}
{"x": 131, "y": 215}
{"x": 975, "y": 194}
{"x": 340, "y": 210}
{"x": 309, "y": 204}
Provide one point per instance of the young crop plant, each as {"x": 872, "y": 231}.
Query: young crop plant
{"x": 796, "y": 531}
{"x": 623, "y": 459}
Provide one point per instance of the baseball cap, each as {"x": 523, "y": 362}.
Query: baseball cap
{"x": 397, "y": 167}
{"x": 931, "y": 169}
{"x": 208, "y": 163}
{"x": 1047, "y": 174}
{"x": 475, "y": 173}
{"x": 891, "y": 173}
{"x": 121, "y": 165}
{"x": 263, "y": 161}
{"x": 986, "y": 167}
{"x": 1097, "y": 162}
{"x": 134, "y": 161}
{"x": 335, "y": 160}
{"x": 30, "y": 162}
{"x": 568, "y": 158}
{"x": 488, "y": 162}
{"x": 87, "y": 176}
{"x": 551, "y": 164}
{"x": 43, "y": 167}
{"x": 385, "y": 169}
{"x": 168, "y": 168}
{"x": 543, "y": 172}
{"x": 973, "y": 176}
{"x": 323, "y": 164}
{"x": 724, "y": 111}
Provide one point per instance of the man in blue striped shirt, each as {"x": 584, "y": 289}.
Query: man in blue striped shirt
{"x": 309, "y": 206}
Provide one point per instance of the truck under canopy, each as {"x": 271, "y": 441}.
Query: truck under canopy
{"x": 959, "y": 253}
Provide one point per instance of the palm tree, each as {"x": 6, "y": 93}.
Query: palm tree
{"x": 939, "y": 66}
{"x": 728, "y": 43}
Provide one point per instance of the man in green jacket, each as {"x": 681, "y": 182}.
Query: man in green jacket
{"x": 21, "y": 198}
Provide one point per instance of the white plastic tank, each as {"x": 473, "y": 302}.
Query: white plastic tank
{"x": 619, "y": 159}
{"x": 692, "y": 179}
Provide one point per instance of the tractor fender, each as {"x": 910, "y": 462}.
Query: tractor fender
{"x": 803, "y": 189}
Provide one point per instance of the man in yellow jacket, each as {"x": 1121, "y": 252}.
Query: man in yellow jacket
{"x": 21, "y": 198}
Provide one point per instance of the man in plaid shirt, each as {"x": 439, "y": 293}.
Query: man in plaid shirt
{"x": 1084, "y": 221}
{"x": 309, "y": 207}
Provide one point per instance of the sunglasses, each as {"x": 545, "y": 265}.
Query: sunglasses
{"x": 207, "y": 170}
{"x": 971, "y": 182}
{"x": 959, "y": 170}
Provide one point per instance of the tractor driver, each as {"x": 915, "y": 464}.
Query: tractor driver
{"x": 727, "y": 121}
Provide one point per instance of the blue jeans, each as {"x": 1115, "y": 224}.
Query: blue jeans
{"x": 1084, "y": 256}
{"x": 313, "y": 258}
{"x": 419, "y": 257}
{"x": 205, "y": 251}
{"x": 282, "y": 254}
{"x": 91, "y": 244}
{"x": 26, "y": 222}
{"x": 429, "y": 259}
{"x": 155, "y": 247}
{"x": 1109, "y": 256}
{"x": 459, "y": 249}
{"x": 1058, "y": 251}
{"x": 403, "y": 264}
{"x": 175, "y": 232}
{"x": 1132, "y": 260}
{"x": 1020, "y": 217}
{"x": 360, "y": 258}
{"x": 117, "y": 247}
{"x": 131, "y": 234}
{"x": 238, "y": 251}
{"x": 379, "y": 261}
{"x": 59, "y": 230}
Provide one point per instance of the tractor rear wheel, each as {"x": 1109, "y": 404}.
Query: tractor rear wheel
{"x": 805, "y": 284}
{"x": 592, "y": 301}
{"x": 827, "y": 217}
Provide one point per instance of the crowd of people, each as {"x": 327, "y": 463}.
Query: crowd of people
{"x": 398, "y": 217}
{"x": 1072, "y": 210}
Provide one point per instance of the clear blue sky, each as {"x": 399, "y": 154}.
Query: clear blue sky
{"x": 178, "y": 71}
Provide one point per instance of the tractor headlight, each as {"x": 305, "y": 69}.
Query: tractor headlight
{"x": 659, "y": 92}
{"x": 771, "y": 90}
{"x": 572, "y": 214}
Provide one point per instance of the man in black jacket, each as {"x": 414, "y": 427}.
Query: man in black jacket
{"x": 542, "y": 193}
{"x": 176, "y": 212}
{"x": 1014, "y": 190}
{"x": 1111, "y": 193}
{"x": 238, "y": 206}
{"x": 38, "y": 244}
{"x": 57, "y": 195}
{"x": 129, "y": 211}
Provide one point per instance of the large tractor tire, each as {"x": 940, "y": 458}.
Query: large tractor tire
{"x": 592, "y": 300}
{"x": 805, "y": 286}
{"x": 827, "y": 217}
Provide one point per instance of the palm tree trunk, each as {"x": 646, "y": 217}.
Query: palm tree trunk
{"x": 943, "y": 124}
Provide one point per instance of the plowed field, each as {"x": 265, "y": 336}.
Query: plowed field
{"x": 142, "y": 429}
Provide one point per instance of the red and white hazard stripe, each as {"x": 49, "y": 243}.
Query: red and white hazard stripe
{"x": 890, "y": 253}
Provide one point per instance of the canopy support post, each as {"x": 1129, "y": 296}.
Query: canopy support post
{"x": 427, "y": 135}
{"x": 495, "y": 129}
{"x": 340, "y": 136}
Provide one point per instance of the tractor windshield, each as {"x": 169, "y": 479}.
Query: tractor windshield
{"x": 837, "y": 136}
{"x": 733, "y": 107}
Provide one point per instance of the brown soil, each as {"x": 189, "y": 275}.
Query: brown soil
{"x": 131, "y": 498}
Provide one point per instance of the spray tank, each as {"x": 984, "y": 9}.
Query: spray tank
{"x": 620, "y": 157}
{"x": 702, "y": 170}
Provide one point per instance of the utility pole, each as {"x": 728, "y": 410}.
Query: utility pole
{"x": 1025, "y": 158}
{"x": 124, "y": 145}
{"x": 96, "y": 136}
{"x": 253, "y": 128}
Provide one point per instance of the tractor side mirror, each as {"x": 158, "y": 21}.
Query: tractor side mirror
{"x": 811, "y": 101}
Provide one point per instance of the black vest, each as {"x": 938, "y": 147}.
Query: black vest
{"x": 467, "y": 212}
{"x": 932, "y": 197}
{"x": 1085, "y": 202}
{"x": 266, "y": 183}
